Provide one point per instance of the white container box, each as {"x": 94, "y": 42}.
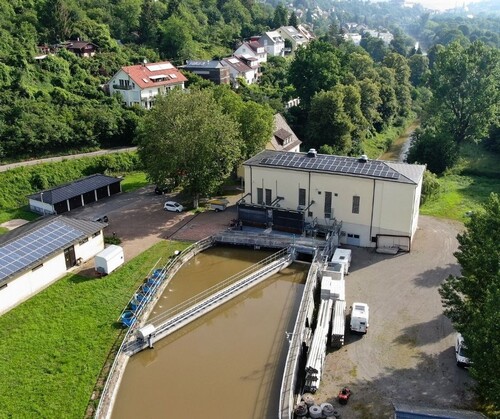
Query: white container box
{"x": 109, "y": 259}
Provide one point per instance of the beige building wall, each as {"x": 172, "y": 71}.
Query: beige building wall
{"x": 384, "y": 207}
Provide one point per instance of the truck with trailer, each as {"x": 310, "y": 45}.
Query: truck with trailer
{"x": 360, "y": 314}
{"x": 343, "y": 257}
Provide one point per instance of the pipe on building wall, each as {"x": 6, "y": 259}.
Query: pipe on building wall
{"x": 373, "y": 203}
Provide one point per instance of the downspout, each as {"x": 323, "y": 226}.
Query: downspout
{"x": 373, "y": 203}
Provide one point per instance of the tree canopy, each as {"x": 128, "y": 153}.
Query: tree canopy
{"x": 471, "y": 300}
{"x": 465, "y": 82}
{"x": 189, "y": 138}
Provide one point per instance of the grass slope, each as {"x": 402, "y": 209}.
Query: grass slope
{"x": 52, "y": 347}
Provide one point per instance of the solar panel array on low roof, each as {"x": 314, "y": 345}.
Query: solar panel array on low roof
{"x": 26, "y": 250}
{"x": 334, "y": 164}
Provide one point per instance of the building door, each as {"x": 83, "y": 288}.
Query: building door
{"x": 353, "y": 239}
{"x": 69, "y": 256}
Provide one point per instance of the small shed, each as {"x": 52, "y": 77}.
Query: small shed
{"x": 74, "y": 195}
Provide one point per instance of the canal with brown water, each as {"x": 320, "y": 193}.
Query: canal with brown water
{"x": 227, "y": 364}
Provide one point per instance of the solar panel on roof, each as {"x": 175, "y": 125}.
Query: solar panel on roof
{"x": 21, "y": 253}
{"x": 332, "y": 164}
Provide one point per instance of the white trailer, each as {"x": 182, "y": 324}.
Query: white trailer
{"x": 360, "y": 314}
{"x": 338, "y": 325}
{"x": 342, "y": 256}
{"x": 109, "y": 259}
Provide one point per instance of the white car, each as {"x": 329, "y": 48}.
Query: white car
{"x": 173, "y": 206}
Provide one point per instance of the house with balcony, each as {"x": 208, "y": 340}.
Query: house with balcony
{"x": 273, "y": 43}
{"x": 140, "y": 84}
{"x": 80, "y": 48}
{"x": 296, "y": 38}
{"x": 239, "y": 69}
{"x": 252, "y": 49}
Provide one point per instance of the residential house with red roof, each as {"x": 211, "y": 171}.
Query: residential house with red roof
{"x": 141, "y": 84}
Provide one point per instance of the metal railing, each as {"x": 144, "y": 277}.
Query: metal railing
{"x": 179, "y": 308}
{"x": 170, "y": 269}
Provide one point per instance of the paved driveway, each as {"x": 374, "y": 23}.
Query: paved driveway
{"x": 407, "y": 355}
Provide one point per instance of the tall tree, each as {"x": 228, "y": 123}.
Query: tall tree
{"x": 329, "y": 124}
{"x": 402, "y": 88}
{"x": 188, "y": 137}
{"x": 465, "y": 82}
{"x": 280, "y": 16}
{"x": 471, "y": 300}
{"x": 293, "y": 20}
{"x": 315, "y": 68}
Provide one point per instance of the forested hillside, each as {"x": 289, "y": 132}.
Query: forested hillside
{"x": 57, "y": 104}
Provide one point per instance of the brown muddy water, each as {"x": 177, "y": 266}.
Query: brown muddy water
{"x": 227, "y": 364}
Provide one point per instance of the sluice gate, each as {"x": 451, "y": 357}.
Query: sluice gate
{"x": 190, "y": 310}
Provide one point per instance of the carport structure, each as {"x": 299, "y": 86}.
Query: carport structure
{"x": 75, "y": 194}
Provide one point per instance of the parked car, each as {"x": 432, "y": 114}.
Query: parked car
{"x": 461, "y": 351}
{"x": 173, "y": 206}
{"x": 160, "y": 190}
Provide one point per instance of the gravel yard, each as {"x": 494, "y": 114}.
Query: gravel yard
{"x": 407, "y": 355}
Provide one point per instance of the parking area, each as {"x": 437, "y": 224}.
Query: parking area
{"x": 407, "y": 355}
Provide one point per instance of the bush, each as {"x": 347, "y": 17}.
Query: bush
{"x": 430, "y": 186}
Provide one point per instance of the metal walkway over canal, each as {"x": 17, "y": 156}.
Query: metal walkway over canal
{"x": 190, "y": 310}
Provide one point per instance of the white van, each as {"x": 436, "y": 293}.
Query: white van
{"x": 360, "y": 314}
{"x": 342, "y": 257}
{"x": 460, "y": 351}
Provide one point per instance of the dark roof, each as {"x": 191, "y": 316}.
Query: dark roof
{"x": 31, "y": 244}
{"x": 78, "y": 44}
{"x": 282, "y": 134}
{"x": 408, "y": 411}
{"x": 78, "y": 187}
{"x": 202, "y": 64}
{"x": 325, "y": 163}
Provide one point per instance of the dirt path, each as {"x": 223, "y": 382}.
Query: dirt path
{"x": 5, "y": 167}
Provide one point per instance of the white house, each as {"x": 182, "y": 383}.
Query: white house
{"x": 387, "y": 37}
{"x": 140, "y": 84}
{"x": 238, "y": 68}
{"x": 252, "y": 49}
{"x": 376, "y": 202}
{"x": 296, "y": 38}
{"x": 273, "y": 43}
{"x": 36, "y": 254}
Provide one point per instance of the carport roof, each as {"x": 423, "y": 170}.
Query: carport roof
{"x": 339, "y": 165}
{"x": 31, "y": 244}
{"x": 78, "y": 187}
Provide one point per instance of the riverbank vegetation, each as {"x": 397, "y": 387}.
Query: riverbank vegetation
{"x": 58, "y": 340}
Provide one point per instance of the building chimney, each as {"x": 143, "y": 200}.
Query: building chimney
{"x": 363, "y": 158}
{"x": 312, "y": 152}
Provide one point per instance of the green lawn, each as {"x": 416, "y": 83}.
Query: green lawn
{"x": 467, "y": 186}
{"x": 134, "y": 180}
{"x": 53, "y": 346}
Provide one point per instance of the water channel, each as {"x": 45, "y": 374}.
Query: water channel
{"x": 227, "y": 364}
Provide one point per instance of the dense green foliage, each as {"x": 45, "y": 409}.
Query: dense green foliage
{"x": 189, "y": 138}
{"x": 52, "y": 347}
{"x": 471, "y": 300}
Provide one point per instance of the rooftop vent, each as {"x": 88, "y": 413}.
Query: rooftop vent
{"x": 363, "y": 158}
{"x": 312, "y": 152}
